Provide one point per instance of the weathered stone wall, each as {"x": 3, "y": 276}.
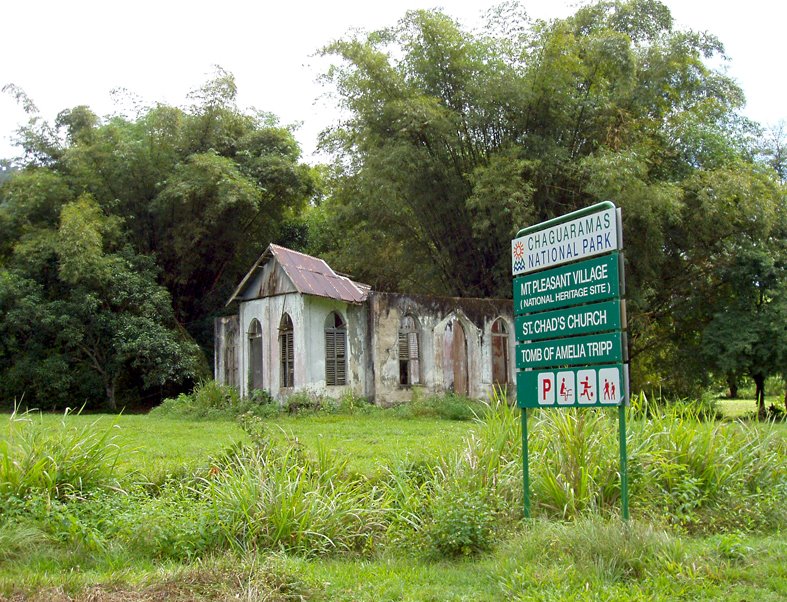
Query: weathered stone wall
{"x": 454, "y": 338}
{"x": 225, "y": 355}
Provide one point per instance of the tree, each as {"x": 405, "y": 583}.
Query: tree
{"x": 774, "y": 149}
{"x": 102, "y": 312}
{"x": 456, "y": 140}
{"x": 180, "y": 198}
{"x": 747, "y": 333}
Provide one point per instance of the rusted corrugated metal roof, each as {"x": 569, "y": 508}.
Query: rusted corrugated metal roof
{"x": 310, "y": 276}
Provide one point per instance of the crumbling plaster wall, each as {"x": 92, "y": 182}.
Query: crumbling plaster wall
{"x": 372, "y": 344}
{"x": 226, "y": 345}
{"x": 308, "y": 314}
{"x": 269, "y": 312}
{"x": 433, "y": 316}
{"x": 316, "y": 311}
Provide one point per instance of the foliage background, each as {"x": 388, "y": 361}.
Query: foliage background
{"x": 453, "y": 140}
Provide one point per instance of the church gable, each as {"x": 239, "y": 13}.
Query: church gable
{"x": 279, "y": 271}
{"x": 267, "y": 280}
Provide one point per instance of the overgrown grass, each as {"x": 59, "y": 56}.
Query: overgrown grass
{"x": 290, "y": 486}
{"x": 55, "y": 463}
{"x": 212, "y": 401}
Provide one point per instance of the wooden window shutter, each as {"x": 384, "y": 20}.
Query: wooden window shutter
{"x": 341, "y": 357}
{"x": 335, "y": 350}
{"x": 330, "y": 357}
{"x": 287, "y": 352}
{"x": 412, "y": 348}
{"x": 404, "y": 352}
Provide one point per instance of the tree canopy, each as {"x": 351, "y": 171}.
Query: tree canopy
{"x": 455, "y": 139}
{"x": 122, "y": 237}
{"x": 452, "y": 140}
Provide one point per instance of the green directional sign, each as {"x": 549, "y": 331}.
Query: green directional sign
{"x": 585, "y": 319}
{"x": 573, "y": 387}
{"x": 570, "y": 321}
{"x": 586, "y": 281}
{"x": 574, "y": 351}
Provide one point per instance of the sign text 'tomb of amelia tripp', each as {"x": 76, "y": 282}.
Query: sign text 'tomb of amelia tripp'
{"x": 585, "y": 236}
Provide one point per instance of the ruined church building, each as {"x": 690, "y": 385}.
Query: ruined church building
{"x": 301, "y": 326}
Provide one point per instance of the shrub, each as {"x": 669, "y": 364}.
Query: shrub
{"x": 461, "y": 524}
{"x": 210, "y": 400}
{"x": 447, "y": 407}
{"x": 60, "y": 462}
{"x": 301, "y": 402}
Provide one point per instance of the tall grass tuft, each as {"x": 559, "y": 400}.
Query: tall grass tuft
{"x": 276, "y": 496}
{"x": 702, "y": 476}
{"x": 56, "y": 462}
{"x": 17, "y": 539}
{"x": 575, "y": 461}
{"x": 617, "y": 550}
{"x": 685, "y": 471}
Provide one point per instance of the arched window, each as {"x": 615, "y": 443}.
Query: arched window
{"x": 409, "y": 352}
{"x": 499, "y": 353}
{"x": 255, "y": 355}
{"x": 335, "y": 350}
{"x": 287, "y": 351}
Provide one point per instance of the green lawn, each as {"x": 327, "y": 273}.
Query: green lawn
{"x": 157, "y": 446}
{"x": 375, "y": 441}
{"x": 739, "y": 408}
{"x": 153, "y": 447}
{"x": 531, "y": 563}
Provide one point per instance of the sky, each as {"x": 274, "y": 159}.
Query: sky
{"x": 75, "y": 52}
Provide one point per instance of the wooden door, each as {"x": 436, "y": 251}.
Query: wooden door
{"x": 455, "y": 369}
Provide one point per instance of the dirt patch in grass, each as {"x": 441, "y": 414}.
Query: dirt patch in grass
{"x": 207, "y": 585}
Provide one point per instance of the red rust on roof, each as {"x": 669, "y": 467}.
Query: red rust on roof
{"x": 310, "y": 276}
{"x": 313, "y": 276}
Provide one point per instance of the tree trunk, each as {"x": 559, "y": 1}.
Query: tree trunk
{"x": 732, "y": 383}
{"x": 759, "y": 395}
{"x": 110, "y": 385}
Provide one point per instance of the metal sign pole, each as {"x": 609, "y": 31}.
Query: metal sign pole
{"x": 525, "y": 463}
{"x": 624, "y": 480}
{"x": 624, "y": 477}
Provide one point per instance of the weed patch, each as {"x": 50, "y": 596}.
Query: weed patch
{"x": 58, "y": 463}
{"x": 212, "y": 401}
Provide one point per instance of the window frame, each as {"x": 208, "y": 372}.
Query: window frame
{"x": 286, "y": 352}
{"x": 409, "y": 351}
{"x": 254, "y": 341}
{"x": 335, "y": 350}
{"x": 500, "y": 340}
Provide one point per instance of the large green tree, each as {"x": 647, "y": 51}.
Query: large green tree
{"x": 454, "y": 140}
{"x": 81, "y": 308}
{"x": 181, "y": 202}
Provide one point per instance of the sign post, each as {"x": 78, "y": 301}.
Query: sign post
{"x": 570, "y": 320}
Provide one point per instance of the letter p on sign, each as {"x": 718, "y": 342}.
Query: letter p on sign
{"x": 546, "y": 389}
